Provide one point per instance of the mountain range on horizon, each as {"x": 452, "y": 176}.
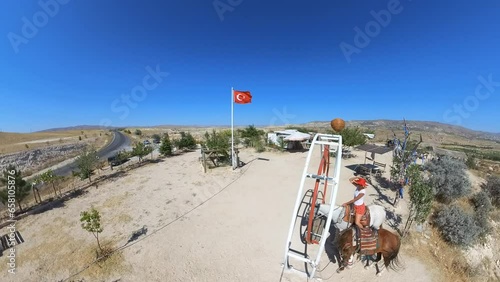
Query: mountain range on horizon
{"x": 429, "y": 126}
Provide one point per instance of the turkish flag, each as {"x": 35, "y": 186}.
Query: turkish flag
{"x": 242, "y": 97}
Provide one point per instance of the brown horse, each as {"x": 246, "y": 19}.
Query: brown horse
{"x": 387, "y": 247}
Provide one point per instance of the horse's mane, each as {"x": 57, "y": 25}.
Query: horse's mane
{"x": 345, "y": 235}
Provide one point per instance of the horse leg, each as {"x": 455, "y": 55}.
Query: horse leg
{"x": 350, "y": 262}
{"x": 380, "y": 270}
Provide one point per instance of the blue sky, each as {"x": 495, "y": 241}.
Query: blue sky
{"x": 73, "y": 62}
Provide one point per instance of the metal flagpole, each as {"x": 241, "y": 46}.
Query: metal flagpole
{"x": 232, "y": 128}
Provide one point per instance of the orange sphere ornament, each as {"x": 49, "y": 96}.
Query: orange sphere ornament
{"x": 337, "y": 124}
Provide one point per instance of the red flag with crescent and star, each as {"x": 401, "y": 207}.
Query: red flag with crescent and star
{"x": 242, "y": 97}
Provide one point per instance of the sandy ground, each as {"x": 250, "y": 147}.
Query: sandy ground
{"x": 219, "y": 226}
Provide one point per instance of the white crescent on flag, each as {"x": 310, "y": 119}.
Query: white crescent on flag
{"x": 238, "y": 97}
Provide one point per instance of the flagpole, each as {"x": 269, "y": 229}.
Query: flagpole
{"x": 232, "y": 128}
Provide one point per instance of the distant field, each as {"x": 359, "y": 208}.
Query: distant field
{"x": 16, "y": 142}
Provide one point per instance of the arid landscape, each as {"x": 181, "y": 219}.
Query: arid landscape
{"x": 166, "y": 220}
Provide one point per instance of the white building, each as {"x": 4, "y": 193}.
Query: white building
{"x": 287, "y": 135}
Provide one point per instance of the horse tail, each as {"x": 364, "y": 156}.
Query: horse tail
{"x": 393, "y": 261}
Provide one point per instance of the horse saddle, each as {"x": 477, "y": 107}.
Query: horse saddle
{"x": 349, "y": 215}
{"x": 366, "y": 240}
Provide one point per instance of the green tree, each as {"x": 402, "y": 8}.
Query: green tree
{"x": 250, "y": 132}
{"x": 187, "y": 141}
{"x": 421, "y": 196}
{"x": 50, "y": 177}
{"x": 12, "y": 178}
{"x": 219, "y": 142}
{"x": 166, "y": 146}
{"x": 138, "y": 132}
{"x": 140, "y": 150}
{"x": 87, "y": 162}
{"x": 351, "y": 136}
{"x": 91, "y": 222}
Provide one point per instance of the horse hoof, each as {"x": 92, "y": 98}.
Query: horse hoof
{"x": 340, "y": 269}
{"x": 368, "y": 266}
{"x": 379, "y": 274}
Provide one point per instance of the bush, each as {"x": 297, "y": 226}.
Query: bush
{"x": 457, "y": 226}
{"x": 186, "y": 142}
{"x": 492, "y": 187}
{"x": 351, "y": 136}
{"x": 481, "y": 202}
{"x": 166, "y": 146}
{"x": 138, "y": 132}
{"x": 448, "y": 178}
{"x": 471, "y": 161}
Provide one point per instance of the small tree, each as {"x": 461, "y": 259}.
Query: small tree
{"x": 352, "y": 136}
{"x": 140, "y": 150}
{"x": 50, "y": 177}
{"x": 12, "y": 178}
{"x": 492, "y": 187}
{"x": 87, "y": 162}
{"x": 138, "y": 132}
{"x": 166, "y": 146}
{"x": 421, "y": 197}
{"x": 219, "y": 142}
{"x": 187, "y": 141}
{"x": 449, "y": 179}
{"x": 91, "y": 222}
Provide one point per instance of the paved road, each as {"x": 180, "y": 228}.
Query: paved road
{"x": 120, "y": 142}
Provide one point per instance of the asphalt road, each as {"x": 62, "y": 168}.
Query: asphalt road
{"x": 119, "y": 142}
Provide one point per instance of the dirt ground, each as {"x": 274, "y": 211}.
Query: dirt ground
{"x": 220, "y": 226}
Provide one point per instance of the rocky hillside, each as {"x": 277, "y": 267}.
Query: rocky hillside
{"x": 35, "y": 159}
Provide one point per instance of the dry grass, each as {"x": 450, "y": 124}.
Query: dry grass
{"x": 440, "y": 255}
{"x": 16, "y": 142}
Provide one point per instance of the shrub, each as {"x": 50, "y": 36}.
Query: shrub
{"x": 457, "y": 226}
{"x": 166, "y": 146}
{"x": 471, "y": 161}
{"x": 481, "y": 202}
{"x": 448, "y": 178}
{"x": 492, "y": 186}
{"x": 186, "y": 142}
{"x": 351, "y": 136}
{"x": 138, "y": 132}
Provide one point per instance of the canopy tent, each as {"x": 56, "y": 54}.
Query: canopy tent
{"x": 373, "y": 149}
{"x": 297, "y": 136}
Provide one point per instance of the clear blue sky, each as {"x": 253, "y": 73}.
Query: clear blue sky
{"x": 83, "y": 57}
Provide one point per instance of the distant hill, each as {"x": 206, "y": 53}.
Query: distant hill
{"x": 416, "y": 126}
{"x": 77, "y": 127}
{"x": 382, "y": 124}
